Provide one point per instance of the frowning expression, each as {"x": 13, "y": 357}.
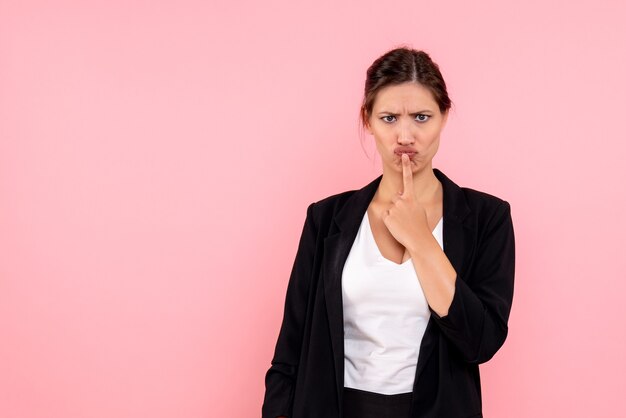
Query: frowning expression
{"x": 406, "y": 118}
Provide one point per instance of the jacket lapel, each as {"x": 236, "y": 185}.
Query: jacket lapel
{"x": 458, "y": 236}
{"x": 337, "y": 246}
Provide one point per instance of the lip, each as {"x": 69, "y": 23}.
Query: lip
{"x": 404, "y": 150}
{"x": 410, "y": 153}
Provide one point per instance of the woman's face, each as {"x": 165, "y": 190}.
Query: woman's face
{"x": 406, "y": 118}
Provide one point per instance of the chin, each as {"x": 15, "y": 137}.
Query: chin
{"x": 397, "y": 166}
{"x": 398, "y": 162}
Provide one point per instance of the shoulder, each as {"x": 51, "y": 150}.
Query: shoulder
{"x": 480, "y": 200}
{"x": 490, "y": 213}
{"x": 482, "y": 206}
{"x": 333, "y": 201}
{"x": 327, "y": 206}
{"x": 463, "y": 197}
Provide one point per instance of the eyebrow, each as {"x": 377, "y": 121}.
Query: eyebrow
{"x": 421, "y": 112}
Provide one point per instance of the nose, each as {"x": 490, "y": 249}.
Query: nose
{"x": 405, "y": 134}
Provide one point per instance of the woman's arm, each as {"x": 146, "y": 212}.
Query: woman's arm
{"x": 477, "y": 315}
{"x": 280, "y": 379}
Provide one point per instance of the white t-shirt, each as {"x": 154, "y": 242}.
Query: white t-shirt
{"x": 385, "y": 314}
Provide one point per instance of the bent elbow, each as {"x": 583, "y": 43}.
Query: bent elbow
{"x": 489, "y": 345}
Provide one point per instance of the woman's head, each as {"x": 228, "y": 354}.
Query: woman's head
{"x": 403, "y": 65}
{"x": 405, "y": 108}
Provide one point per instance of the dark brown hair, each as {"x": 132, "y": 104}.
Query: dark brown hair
{"x": 399, "y": 66}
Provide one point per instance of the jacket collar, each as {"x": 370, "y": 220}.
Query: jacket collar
{"x": 350, "y": 215}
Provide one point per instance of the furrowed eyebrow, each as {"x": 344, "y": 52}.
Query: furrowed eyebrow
{"x": 421, "y": 112}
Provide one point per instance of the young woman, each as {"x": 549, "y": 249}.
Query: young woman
{"x": 399, "y": 290}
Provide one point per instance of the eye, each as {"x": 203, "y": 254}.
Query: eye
{"x": 422, "y": 118}
{"x": 388, "y": 116}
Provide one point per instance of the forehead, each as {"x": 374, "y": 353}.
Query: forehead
{"x": 409, "y": 95}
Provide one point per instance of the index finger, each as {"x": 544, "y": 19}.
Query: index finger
{"x": 407, "y": 175}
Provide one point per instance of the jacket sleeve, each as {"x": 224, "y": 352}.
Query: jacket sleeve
{"x": 476, "y": 322}
{"x": 280, "y": 379}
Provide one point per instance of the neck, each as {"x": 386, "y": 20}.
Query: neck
{"x": 425, "y": 185}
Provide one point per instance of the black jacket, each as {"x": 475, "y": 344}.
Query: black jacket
{"x": 305, "y": 379}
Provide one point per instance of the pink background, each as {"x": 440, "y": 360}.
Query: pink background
{"x": 157, "y": 159}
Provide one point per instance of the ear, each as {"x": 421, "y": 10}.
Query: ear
{"x": 445, "y": 118}
{"x": 366, "y": 123}
{"x": 368, "y": 128}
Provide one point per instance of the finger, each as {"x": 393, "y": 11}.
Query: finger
{"x": 407, "y": 175}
